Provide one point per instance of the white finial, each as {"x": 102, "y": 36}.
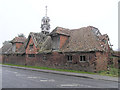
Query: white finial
{"x": 45, "y": 26}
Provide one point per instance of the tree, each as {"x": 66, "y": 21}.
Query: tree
{"x": 21, "y": 35}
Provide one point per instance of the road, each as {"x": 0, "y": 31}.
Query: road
{"x": 19, "y": 78}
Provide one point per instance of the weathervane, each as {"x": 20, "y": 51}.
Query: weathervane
{"x": 46, "y": 11}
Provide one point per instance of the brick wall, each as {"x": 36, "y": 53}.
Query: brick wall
{"x": 31, "y": 60}
{"x": 115, "y": 61}
{"x": 58, "y": 41}
{"x": 101, "y": 61}
{"x": 59, "y": 60}
{"x": 63, "y": 39}
{"x": 14, "y": 59}
{"x": 0, "y": 58}
{"x": 94, "y": 61}
{"x": 18, "y": 45}
{"x": 31, "y": 51}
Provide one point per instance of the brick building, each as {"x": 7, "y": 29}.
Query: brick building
{"x": 13, "y": 52}
{"x": 77, "y": 49}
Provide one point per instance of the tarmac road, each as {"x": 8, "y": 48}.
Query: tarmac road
{"x": 19, "y": 78}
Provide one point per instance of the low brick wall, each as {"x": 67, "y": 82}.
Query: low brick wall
{"x": 94, "y": 61}
{"x": 0, "y": 58}
{"x": 14, "y": 59}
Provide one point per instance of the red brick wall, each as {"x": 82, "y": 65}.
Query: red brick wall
{"x": 115, "y": 62}
{"x": 31, "y": 60}
{"x": 18, "y": 45}
{"x": 14, "y": 59}
{"x": 0, "y": 58}
{"x": 32, "y": 51}
{"x": 59, "y": 60}
{"x": 101, "y": 61}
{"x": 94, "y": 61}
{"x": 63, "y": 40}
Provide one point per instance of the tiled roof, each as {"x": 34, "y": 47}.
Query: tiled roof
{"x": 21, "y": 50}
{"x": 60, "y": 30}
{"x": 6, "y": 48}
{"x": 84, "y": 39}
{"x": 18, "y": 39}
{"x": 40, "y": 40}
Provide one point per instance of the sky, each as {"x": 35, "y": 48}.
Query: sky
{"x": 24, "y": 16}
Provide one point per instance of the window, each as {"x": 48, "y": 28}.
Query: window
{"x": 31, "y": 55}
{"x": 31, "y": 46}
{"x": 69, "y": 58}
{"x": 82, "y": 58}
{"x": 44, "y": 58}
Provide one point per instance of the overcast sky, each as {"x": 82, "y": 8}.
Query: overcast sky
{"x": 24, "y": 16}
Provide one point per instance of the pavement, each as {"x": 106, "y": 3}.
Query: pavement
{"x": 90, "y": 76}
{"x": 23, "y": 78}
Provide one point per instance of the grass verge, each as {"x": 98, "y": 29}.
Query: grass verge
{"x": 112, "y": 72}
